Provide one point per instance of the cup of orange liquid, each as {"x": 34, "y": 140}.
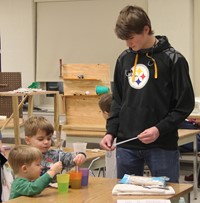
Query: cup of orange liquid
{"x": 75, "y": 179}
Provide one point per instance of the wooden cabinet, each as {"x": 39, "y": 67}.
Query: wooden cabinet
{"x": 83, "y": 116}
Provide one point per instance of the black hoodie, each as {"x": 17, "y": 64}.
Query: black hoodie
{"x": 152, "y": 87}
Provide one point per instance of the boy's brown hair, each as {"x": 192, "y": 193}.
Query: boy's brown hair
{"x": 21, "y": 155}
{"x": 33, "y": 124}
{"x": 105, "y": 102}
{"x": 132, "y": 20}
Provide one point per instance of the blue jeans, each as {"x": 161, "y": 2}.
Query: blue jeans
{"x": 160, "y": 162}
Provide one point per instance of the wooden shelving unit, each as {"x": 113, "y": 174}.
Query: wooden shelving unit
{"x": 84, "y": 79}
{"x": 83, "y": 116}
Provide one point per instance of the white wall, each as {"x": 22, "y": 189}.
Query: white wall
{"x": 174, "y": 18}
{"x": 196, "y": 47}
{"x": 17, "y": 38}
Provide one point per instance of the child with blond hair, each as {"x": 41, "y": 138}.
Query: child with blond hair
{"x": 38, "y": 133}
{"x": 25, "y": 163}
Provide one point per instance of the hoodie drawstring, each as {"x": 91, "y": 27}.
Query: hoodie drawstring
{"x": 155, "y": 66}
{"x": 135, "y": 64}
{"x": 134, "y": 67}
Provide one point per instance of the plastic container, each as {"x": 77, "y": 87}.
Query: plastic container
{"x": 63, "y": 182}
{"x": 85, "y": 176}
{"x": 182, "y": 200}
{"x": 101, "y": 89}
{"x": 75, "y": 179}
{"x": 79, "y": 147}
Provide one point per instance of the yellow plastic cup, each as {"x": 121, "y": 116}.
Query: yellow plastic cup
{"x": 63, "y": 182}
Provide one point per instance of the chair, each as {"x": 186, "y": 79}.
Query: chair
{"x": 92, "y": 167}
{"x": 92, "y": 164}
{"x": 188, "y": 157}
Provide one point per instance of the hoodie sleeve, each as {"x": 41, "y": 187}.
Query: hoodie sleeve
{"x": 113, "y": 121}
{"x": 183, "y": 96}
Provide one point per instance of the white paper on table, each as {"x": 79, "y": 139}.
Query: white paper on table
{"x": 129, "y": 189}
{"x": 144, "y": 201}
{"x": 55, "y": 185}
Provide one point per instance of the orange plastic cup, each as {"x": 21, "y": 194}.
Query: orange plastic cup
{"x": 75, "y": 179}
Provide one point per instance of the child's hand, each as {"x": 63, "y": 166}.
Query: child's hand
{"x": 79, "y": 159}
{"x": 55, "y": 168}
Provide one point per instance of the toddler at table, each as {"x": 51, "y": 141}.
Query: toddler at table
{"x": 25, "y": 163}
{"x": 105, "y": 104}
{"x": 38, "y": 133}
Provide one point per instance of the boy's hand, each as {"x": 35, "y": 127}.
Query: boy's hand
{"x": 79, "y": 159}
{"x": 55, "y": 168}
{"x": 107, "y": 142}
{"x": 149, "y": 135}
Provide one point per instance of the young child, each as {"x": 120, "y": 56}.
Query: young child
{"x": 25, "y": 162}
{"x": 38, "y": 133}
{"x": 104, "y": 105}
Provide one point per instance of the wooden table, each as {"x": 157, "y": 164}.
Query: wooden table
{"x": 187, "y": 136}
{"x": 99, "y": 190}
{"x": 30, "y": 96}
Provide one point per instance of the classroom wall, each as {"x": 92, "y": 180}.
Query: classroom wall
{"x": 176, "y": 22}
{"x": 18, "y": 38}
{"x": 17, "y": 29}
{"x": 196, "y": 78}
{"x": 78, "y": 32}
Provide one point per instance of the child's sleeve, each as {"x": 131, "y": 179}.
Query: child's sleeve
{"x": 26, "y": 188}
{"x": 67, "y": 159}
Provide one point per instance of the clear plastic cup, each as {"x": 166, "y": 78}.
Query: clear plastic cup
{"x": 79, "y": 147}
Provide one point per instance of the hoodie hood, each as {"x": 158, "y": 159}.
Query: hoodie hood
{"x": 162, "y": 44}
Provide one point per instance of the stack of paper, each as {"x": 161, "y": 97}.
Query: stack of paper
{"x": 129, "y": 189}
{"x": 144, "y": 201}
